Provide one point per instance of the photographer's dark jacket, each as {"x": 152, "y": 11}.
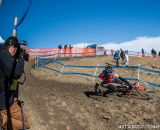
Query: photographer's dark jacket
{"x": 10, "y": 68}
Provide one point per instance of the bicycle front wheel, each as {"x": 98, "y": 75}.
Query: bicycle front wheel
{"x": 143, "y": 90}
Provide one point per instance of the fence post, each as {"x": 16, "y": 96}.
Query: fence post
{"x": 95, "y": 72}
{"x": 61, "y": 71}
{"x": 71, "y": 56}
{"x": 138, "y": 73}
{"x": 36, "y": 59}
{"x": 55, "y": 58}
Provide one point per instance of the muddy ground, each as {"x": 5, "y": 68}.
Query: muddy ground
{"x": 61, "y": 103}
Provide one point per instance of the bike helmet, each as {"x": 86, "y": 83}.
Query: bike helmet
{"x": 109, "y": 67}
{"x": 12, "y": 41}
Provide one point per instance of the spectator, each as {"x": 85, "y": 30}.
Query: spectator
{"x": 126, "y": 59}
{"x": 70, "y": 46}
{"x": 122, "y": 55}
{"x": 126, "y": 52}
{"x": 59, "y": 50}
{"x": 112, "y": 52}
{"x": 143, "y": 52}
{"x": 70, "y": 50}
{"x": 116, "y": 58}
{"x": 65, "y": 49}
{"x": 154, "y": 53}
{"x": 65, "y": 46}
{"x": 60, "y": 46}
{"x": 105, "y": 53}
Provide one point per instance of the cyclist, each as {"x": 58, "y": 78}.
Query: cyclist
{"x": 109, "y": 76}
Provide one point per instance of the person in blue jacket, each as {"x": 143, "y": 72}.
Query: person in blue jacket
{"x": 116, "y": 58}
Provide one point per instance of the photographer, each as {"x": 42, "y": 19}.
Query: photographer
{"x": 11, "y": 69}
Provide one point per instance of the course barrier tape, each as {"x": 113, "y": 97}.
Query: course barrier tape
{"x": 149, "y": 70}
{"x": 62, "y": 58}
{"x": 72, "y": 66}
{"x": 43, "y": 57}
{"x": 77, "y": 73}
{"x": 37, "y": 51}
{"x": 90, "y": 75}
{"x": 118, "y": 67}
{"x": 153, "y": 84}
{"x": 85, "y": 74}
{"x": 43, "y": 63}
{"x": 50, "y": 69}
{"x": 131, "y": 79}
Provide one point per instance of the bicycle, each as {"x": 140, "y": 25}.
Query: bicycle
{"x": 139, "y": 89}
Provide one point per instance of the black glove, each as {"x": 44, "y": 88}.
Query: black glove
{"x": 130, "y": 86}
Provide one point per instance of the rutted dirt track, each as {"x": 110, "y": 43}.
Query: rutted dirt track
{"x": 54, "y": 105}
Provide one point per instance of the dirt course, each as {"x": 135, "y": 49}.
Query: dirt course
{"x": 61, "y": 103}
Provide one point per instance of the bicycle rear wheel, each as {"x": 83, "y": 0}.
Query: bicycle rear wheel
{"x": 143, "y": 90}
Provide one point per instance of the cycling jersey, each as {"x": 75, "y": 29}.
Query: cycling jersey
{"x": 108, "y": 76}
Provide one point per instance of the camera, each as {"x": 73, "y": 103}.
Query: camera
{"x": 24, "y": 54}
{"x": 21, "y": 51}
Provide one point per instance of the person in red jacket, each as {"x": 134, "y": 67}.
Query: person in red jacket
{"x": 109, "y": 76}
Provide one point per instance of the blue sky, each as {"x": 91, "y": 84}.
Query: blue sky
{"x": 53, "y": 22}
